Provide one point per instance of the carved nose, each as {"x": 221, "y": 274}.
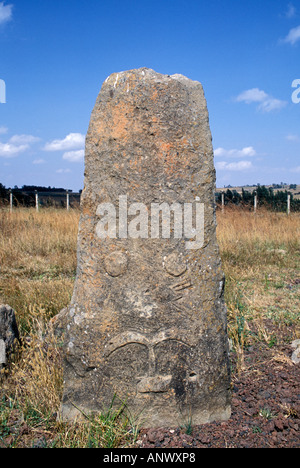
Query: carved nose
{"x": 156, "y": 384}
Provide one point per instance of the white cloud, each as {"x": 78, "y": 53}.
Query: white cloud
{"x": 296, "y": 169}
{"x": 23, "y": 139}
{"x": 234, "y": 153}
{"x": 3, "y": 130}
{"x": 292, "y": 137}
{"x": 271, "y": 104}
{"x": 267, "y": 102}
{"x": 72, "y": 141}
{"x": 63, "y": 171}
{"x": 8, "y": 150}
{"x": 293, "y": 36}
{"x": 74, "y": 156}
{"x": 16, "y": 144}
{"x": 291, "y": 11}
{"x": 38, "y": 161}
{"x": 5, "y": 12}
{"x": 234, "y": 166}
{"x": 252, "y": 95}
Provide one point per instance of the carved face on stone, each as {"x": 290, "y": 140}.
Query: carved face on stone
{"x": 147, "y": 320}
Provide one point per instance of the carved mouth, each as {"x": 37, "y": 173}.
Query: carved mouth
{"x": 155, "y": 384}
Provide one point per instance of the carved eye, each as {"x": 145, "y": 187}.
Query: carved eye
{"x": 116, "y": 263}
{"x": 175, "y": 264}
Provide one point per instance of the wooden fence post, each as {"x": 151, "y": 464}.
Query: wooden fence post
{"x": 10, "y": 201}
{"x": 36, "y": 201}
{"x": 68, "y": 200}
{"x": 288, "y": 204}
{"x": 223, "y": 201}
{"x": 255, "y": 202}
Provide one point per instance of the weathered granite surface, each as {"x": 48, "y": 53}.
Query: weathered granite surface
{"x": 9, "y": 332}
{"x": 147, "y": 320}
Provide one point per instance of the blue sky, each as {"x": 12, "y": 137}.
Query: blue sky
{"x": 55, "y": 55}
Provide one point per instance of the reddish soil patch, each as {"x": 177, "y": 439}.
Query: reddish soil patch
{"x": 265, "y": 409}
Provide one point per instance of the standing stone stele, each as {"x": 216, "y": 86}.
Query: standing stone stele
{"x": 9, "y": 333}
{"x": 147, "y": 321}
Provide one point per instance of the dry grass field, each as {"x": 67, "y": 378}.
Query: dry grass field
{"x": 261, "y": 261}
{"x": 260, "y": 254}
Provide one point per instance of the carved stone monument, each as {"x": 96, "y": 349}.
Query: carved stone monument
{"x": 147, "y": 321}
{"x": 9, "y": 333}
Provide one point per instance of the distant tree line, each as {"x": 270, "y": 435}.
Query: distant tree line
{"x": 282, "y": 185}
{"x": 25, "y": 196}
{"x": 265, "y": 197}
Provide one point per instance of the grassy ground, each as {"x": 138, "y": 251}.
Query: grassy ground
{"x": 260, "y": 255}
